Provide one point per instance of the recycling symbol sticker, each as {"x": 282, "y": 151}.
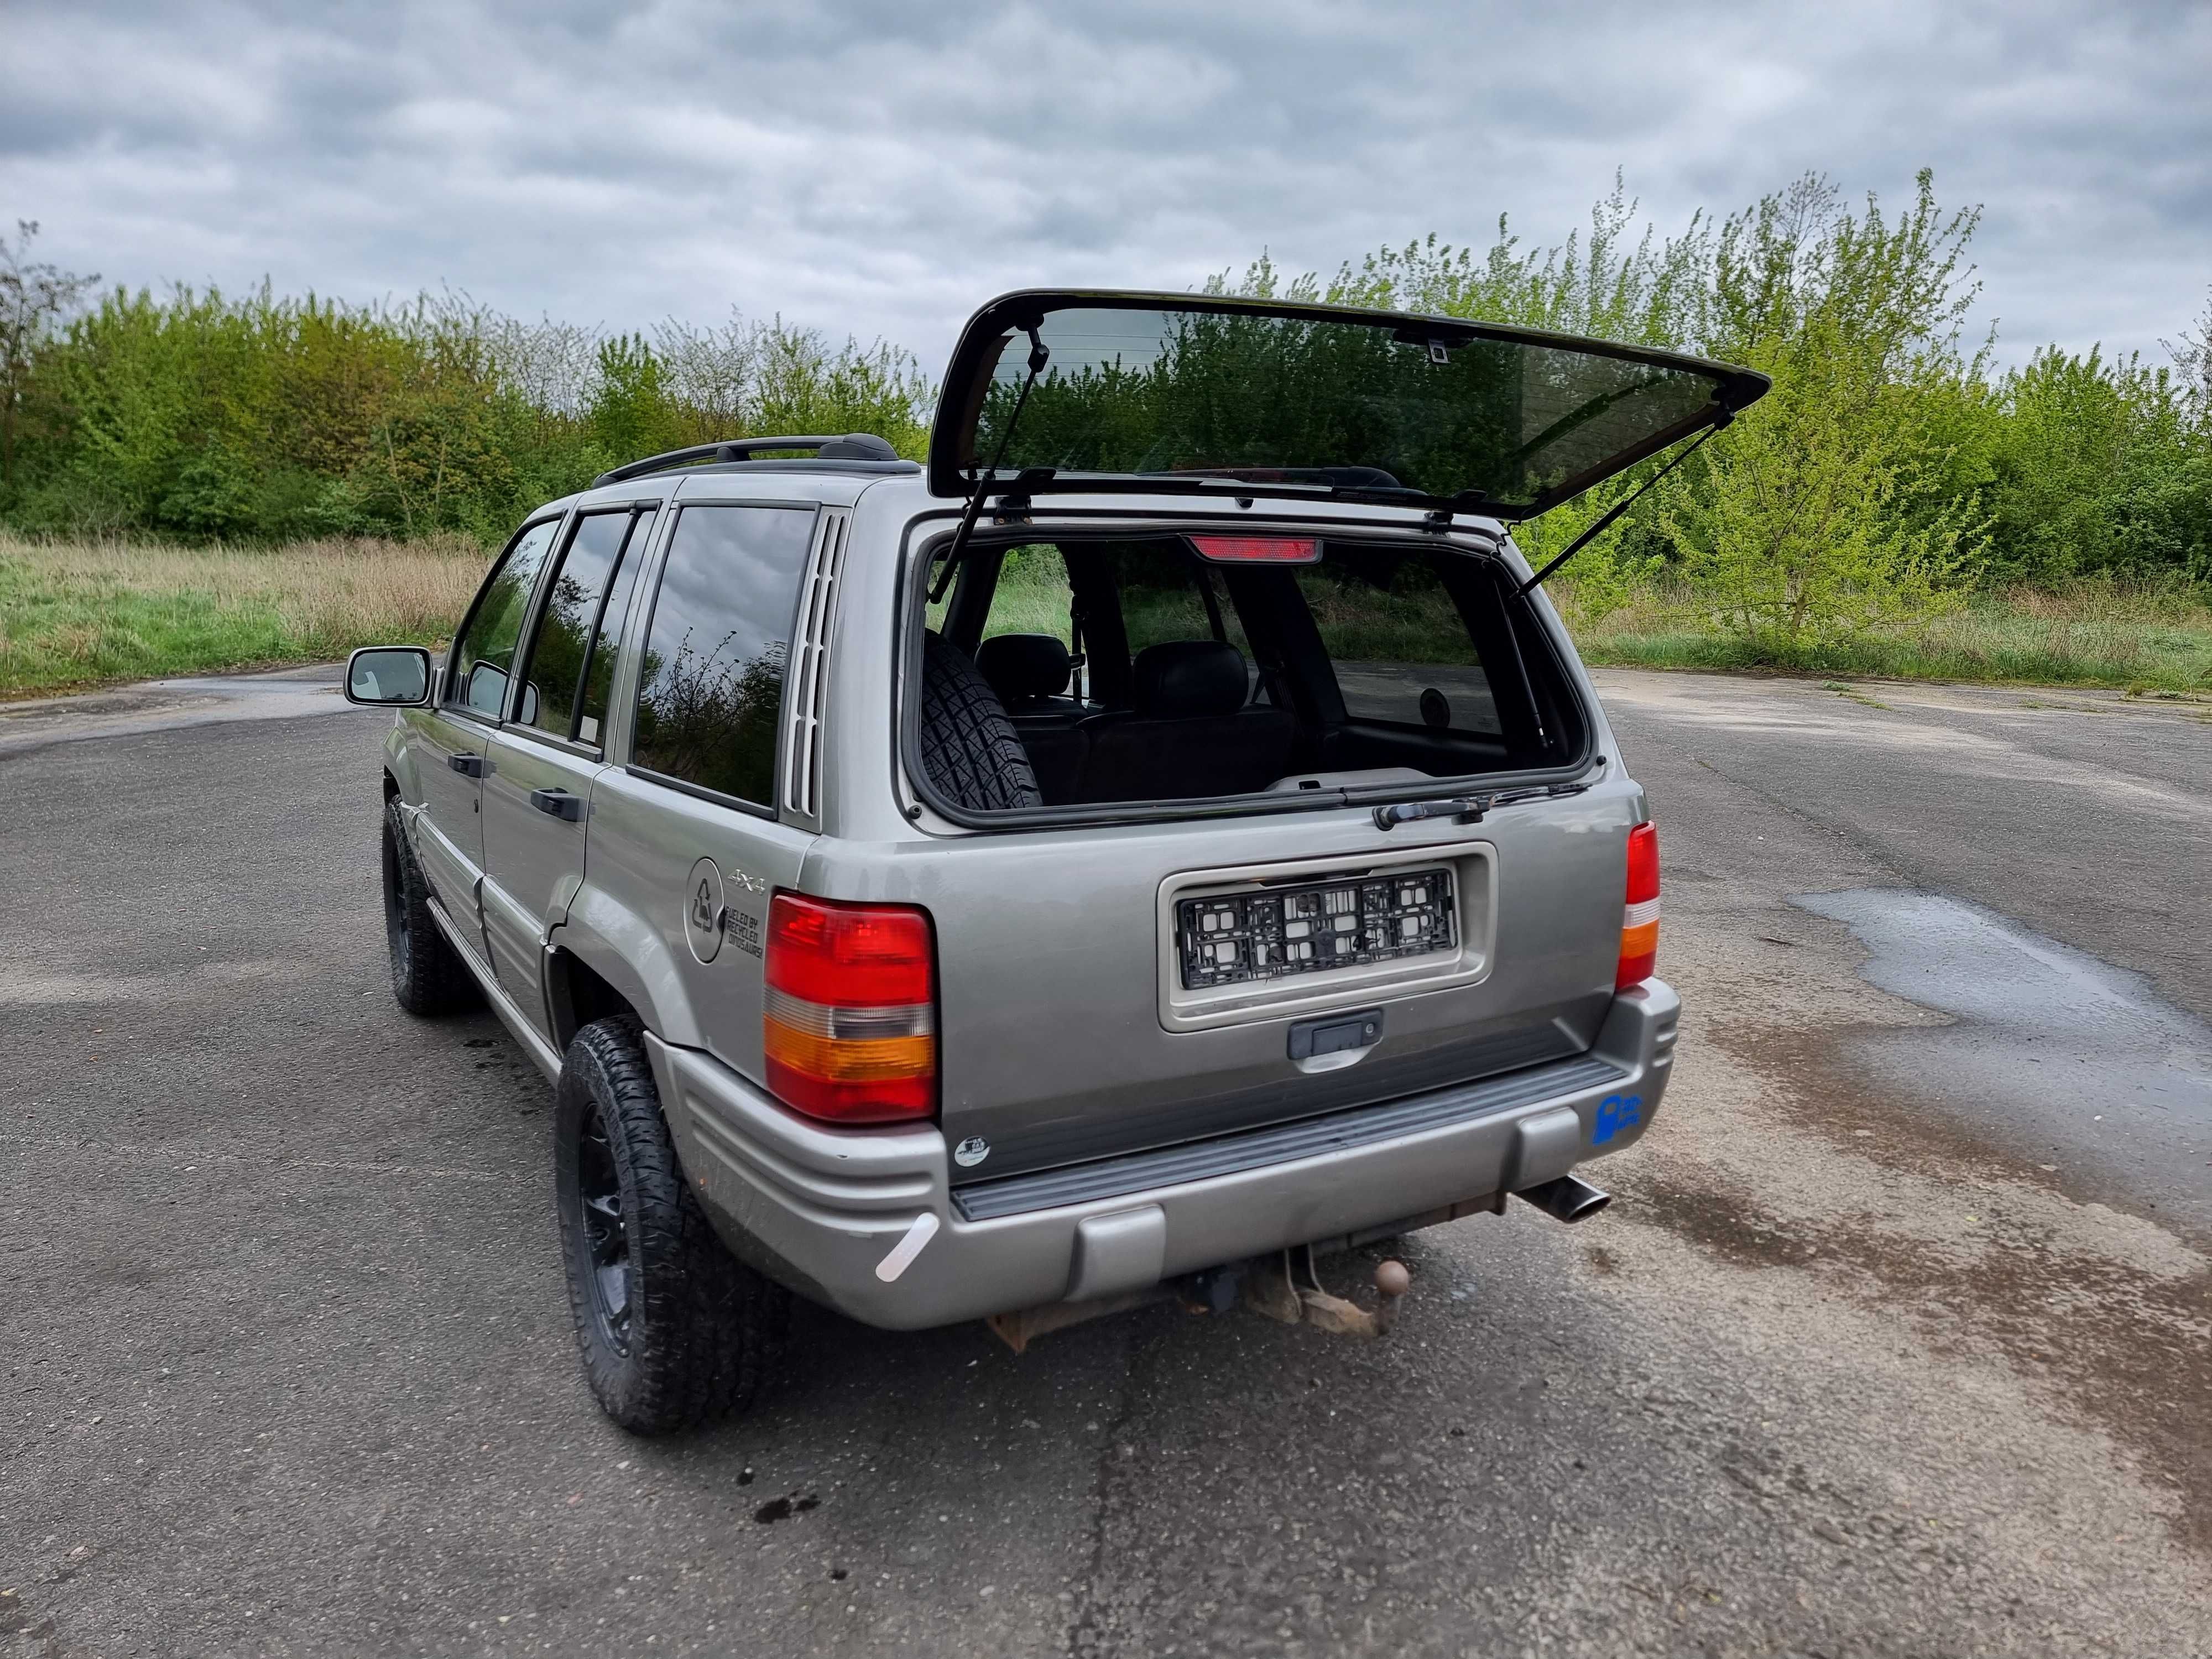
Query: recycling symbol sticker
{"x": 702, "y": 910}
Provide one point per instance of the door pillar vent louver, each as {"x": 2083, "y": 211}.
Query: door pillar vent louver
{"x": 808, "y": 684}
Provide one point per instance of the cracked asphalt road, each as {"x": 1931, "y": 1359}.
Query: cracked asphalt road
{"x": 1888, "y": 1346}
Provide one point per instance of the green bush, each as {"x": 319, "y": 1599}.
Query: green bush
{"x": 205, "y": 416}
{"x": 1891, "y": 471}
{"x": 1888, "y": 475}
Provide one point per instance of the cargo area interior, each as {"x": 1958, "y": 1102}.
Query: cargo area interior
{"x": 1138, "y": 670}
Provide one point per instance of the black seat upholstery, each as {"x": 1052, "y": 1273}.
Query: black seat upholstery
{"x": 1029, "y": 671}
{"x": 1023, "y": 668}
{"x": 1189, "y": 731}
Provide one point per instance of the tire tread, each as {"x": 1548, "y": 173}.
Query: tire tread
{"x": 968, "y": 747}
{"x": 705, "y": 1329}
{"x": 428, "y": 978}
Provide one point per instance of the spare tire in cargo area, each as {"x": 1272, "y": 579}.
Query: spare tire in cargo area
{"x": 968, "y": 747}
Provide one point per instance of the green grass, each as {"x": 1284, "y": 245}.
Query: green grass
{"x": 2094, "y": 634}
{"x": 80, "y": 614}
{"x": 75, "y": 615}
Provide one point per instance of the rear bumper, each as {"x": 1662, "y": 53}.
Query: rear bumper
{"x": 820, "y": 1208}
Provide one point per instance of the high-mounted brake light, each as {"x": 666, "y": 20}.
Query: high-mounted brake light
{"x": 850, "y": 1028}
{"x": 1639, "y": 921}
{"x": 1257, "y": 550}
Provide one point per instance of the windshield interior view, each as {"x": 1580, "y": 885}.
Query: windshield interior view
{"x": 1174, "y": 667}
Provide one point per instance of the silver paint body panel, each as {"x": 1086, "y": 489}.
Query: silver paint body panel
{"x": 1064, "y": 1038}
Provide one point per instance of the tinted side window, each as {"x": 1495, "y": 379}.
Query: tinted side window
{"x": 1167, "y": 595}
{"x": 711, "y": 682}
{"x": 1033, "y": 596}
{"x": 1399, "y": 644}
{"x": 599, "y": 672}
{"x": 484, "y": 655}
{"x": 566, "y": 623}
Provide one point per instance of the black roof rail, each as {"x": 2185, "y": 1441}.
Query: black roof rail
{"x": 851, "y": 446}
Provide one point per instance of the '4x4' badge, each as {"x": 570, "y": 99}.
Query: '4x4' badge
{"x": 1614, "y": 1114}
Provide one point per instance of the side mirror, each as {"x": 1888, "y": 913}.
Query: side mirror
{"x": 388, "y": 677}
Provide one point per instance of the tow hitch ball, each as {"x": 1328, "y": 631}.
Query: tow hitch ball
{"x": 1286, "y": 1287}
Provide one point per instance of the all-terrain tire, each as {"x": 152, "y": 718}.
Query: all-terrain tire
{"x": 427, "y": 976}
{"x": 969, "y": 746}
{"x": 697, "y": 1331}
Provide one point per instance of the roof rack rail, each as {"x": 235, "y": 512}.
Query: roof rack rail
{"x": 851, "y": 446}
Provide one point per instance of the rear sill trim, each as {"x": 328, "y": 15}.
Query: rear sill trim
{"x": 1204, "y": 1160}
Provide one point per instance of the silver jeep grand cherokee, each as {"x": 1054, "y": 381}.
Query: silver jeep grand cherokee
{"x": 1169, "y": 837}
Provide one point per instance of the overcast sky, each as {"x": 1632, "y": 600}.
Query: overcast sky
{"x": 881, "y": 169}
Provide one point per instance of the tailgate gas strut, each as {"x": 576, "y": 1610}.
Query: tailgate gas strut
{"x": 1040, "y": 354}
{"x": 1614, "y": 512}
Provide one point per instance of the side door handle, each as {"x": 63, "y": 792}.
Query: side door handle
{"x": 558, "y": 803}
{"x": 469, "y": 765}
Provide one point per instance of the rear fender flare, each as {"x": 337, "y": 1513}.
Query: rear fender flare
{"x": 626, "y": 949}
{"x": 399, "y": 764}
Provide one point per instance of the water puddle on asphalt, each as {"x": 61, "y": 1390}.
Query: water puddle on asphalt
{"x": 2069, "y": 1063}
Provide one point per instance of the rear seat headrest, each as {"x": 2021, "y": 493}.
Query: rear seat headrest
{"x": 1185, "y": 678}
{"x": 1021, "y": 668}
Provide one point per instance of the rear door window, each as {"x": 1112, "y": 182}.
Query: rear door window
{"x": 600, "y": 668}
{"x": 1032, "y": 596}
{"x": 1167, "y": 595}
{"x": 569, "y": 622}
{"x": 484, "y": 655}
{"x": 1400, "y": 650}
{"x": 710, "y": 684}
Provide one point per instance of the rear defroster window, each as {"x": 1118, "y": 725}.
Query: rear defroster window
{"x": 1308, "y": 928}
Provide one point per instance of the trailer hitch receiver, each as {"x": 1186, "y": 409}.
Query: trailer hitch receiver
{"x": 1286, "y": 1287}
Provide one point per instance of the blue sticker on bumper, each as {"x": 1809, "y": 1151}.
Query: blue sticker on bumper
{"x": 1614, "y": 1114}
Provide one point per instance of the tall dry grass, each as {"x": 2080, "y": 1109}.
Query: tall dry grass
{"x": 75, "y": 613}
{"x": 80, "y": 613}
{"x": 2145, "y": 635}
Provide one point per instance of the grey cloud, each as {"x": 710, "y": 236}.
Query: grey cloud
{"x": 881, "y": 168}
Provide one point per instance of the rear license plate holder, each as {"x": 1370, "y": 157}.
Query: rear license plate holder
{"x": 1284, "y": 932}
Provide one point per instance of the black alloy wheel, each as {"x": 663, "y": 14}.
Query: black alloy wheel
{"x": 600, "y": 1214}
{"x": 672, "y": 1330}
{"x": 399, "y": 935}
{"x": 427, "y": 976}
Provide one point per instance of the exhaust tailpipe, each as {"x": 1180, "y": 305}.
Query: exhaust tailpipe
{"x": 1567, "y": 1198}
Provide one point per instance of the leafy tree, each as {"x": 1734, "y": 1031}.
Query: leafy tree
{"x": 2193, "y": 357}
{"x": 1890, "y": 465}
{"x": 1829, "y": 505}
{"x": 34, "y": 296}
{"x": 631, "y": 413}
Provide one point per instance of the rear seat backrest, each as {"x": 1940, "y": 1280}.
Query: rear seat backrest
{"x": 1029, "y": 671}
{"x": 1023, "y": 668}
{"x": 1190, "y": 732}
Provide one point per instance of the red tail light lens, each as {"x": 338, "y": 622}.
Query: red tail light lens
{"x": 1257, "y": 550}
{"x": 850, "y": 1027}
{"x": 1639, "y": 921}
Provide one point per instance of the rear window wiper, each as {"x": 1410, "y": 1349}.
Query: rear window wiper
{"x": 1468, "y": 809}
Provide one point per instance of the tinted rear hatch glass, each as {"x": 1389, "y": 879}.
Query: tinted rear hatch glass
{"x": 1157, "y": 392}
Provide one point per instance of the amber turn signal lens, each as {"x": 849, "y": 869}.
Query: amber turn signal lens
{"x": 1639, "y": 920}
{"x": 849, "y": 1031}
